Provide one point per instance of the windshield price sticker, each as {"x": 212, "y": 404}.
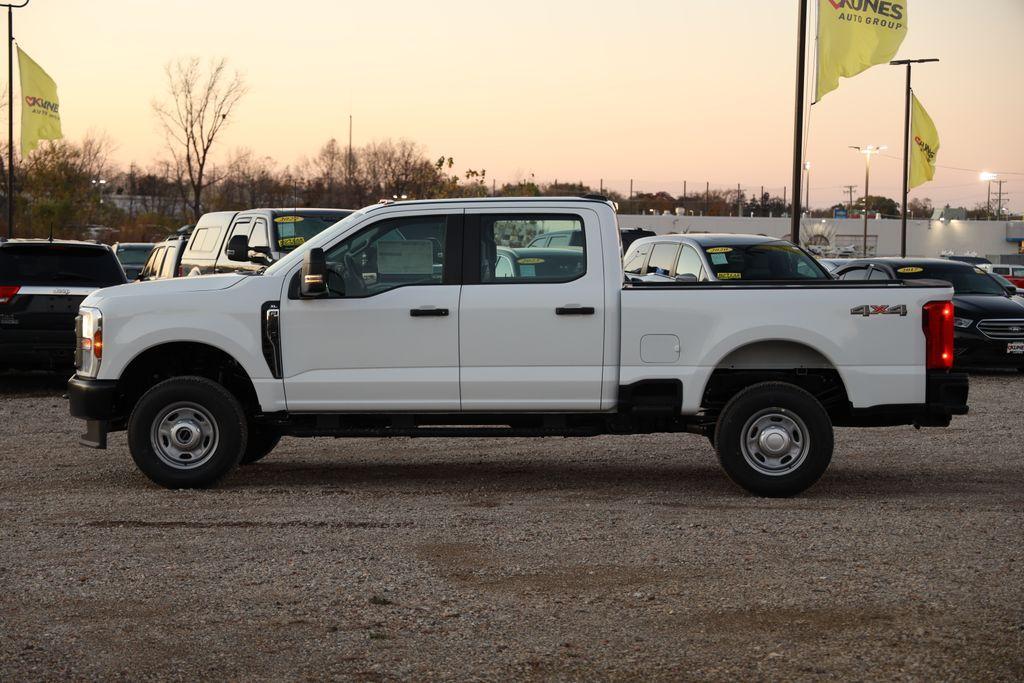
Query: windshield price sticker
{"x": 529, "y": 261}
{"x": 288, "y": 219}
{"x": 719, "y": 250}
{"x": 910, "y": 269}
{"x": 286, "y": 242}
{"x": 729, "y": 276}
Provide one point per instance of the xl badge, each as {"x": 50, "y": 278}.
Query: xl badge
{"x": 883, "y": 309}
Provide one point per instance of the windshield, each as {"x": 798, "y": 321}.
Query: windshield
{"x": 293, "y": 231}
{"x": 133, "y": 254}
{"x": 964, "y": 280}
{"x": 294, "y": 255}
{"x": 58, "y": 264}
{"x": 765, "y": 261}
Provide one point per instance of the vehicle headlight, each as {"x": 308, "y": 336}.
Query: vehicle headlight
{"x": 962, "y": 323}
{"x": 89, "y": 341}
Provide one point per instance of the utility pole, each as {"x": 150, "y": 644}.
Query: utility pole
{"x": 601, "y": 185}
{"x": 999, "y": 198}
{"x": 906, "y": 148}
{"x": 707, "y": 198}
{"x": 849, "y": 204}
{"x": 739, "y": 201}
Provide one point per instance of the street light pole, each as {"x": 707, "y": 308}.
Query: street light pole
{"x": 906, "y": 148}
{"x": 868, "y": 151}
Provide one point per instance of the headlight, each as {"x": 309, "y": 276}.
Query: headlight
{"x": 962, "y": 323}
{"x": 89, "y": 342}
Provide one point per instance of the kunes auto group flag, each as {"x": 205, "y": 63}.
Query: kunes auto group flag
{"x": 924, "y": 147}
{"x": 40, "y": 110}
{"x": 854, "y": 35}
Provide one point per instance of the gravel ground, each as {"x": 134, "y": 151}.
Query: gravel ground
{"x": 604, "y": 558}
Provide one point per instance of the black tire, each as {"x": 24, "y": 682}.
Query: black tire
{"x": 261, "y": 441}
{"x": 192, "y": 406}
{"x": 781, "y": 415}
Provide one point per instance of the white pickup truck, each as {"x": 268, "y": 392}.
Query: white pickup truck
{"x": 433, "y": 318}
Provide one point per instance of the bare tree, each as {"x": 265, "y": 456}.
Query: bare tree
{"x": 201, "y": 103}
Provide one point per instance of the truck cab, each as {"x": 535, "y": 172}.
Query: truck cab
{"x": 434, "y": 318}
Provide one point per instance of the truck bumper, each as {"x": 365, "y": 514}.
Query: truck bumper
{"x": 945, "y": 396}
{"x": 93, "y": 400}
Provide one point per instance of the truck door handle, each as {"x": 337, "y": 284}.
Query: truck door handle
{"x": 574, "y": 310}
{"x": 425, "y": 312}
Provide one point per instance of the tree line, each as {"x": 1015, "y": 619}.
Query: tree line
{"x": 74, "y": 189}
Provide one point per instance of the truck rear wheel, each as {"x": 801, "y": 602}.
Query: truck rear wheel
{"x": 774, "y": 439}
{"x": 187, "y": 432}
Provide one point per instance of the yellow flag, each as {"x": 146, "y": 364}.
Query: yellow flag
{"x": 854, "y": 35}
{"x": 40, "y": 110}
{"x": 924, "y": 145}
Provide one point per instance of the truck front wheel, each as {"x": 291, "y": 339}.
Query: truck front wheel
{"x": 187, "y": 432}
{"x": 774, "y": 439}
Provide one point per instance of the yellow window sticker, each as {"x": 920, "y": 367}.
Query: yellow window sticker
{"x": 729, "y": 276}
{"x": 288, "y": 219}
{"x": 719, "y": 250}
{"x": 290, "y": 241}
{"x": 910, "y": 269}
{"x": 529, "y": 261}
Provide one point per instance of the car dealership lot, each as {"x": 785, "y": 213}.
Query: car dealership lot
{"x": 615, "y": 557}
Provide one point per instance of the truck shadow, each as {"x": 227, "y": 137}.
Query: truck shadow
{"x": 487, "y": 480}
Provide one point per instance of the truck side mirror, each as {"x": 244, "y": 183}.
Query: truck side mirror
{"x": 1010, "y": 290}
{"x": 314, "y": 274}
{"x": 238, "y": 248}
{"x": 261, "y": 256}
{"x": 686, "y": 277}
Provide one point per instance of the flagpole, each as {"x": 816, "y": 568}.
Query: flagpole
{"x": 906, "y": 149}
{"x": 798, "y": 122}
{"x": 10, "y": 113}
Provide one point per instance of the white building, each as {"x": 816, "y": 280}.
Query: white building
{"x": 999, "y": 241}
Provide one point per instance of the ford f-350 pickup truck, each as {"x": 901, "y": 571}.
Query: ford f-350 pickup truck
{"x": 405, "y": 319}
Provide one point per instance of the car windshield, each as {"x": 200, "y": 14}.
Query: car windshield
{"x": 292, "y": 231}
{"x": 133, "y": 254}
{"x": 965, "y": 280}
{"x": 58, "y": 264}
{"x": 764, "y": 261}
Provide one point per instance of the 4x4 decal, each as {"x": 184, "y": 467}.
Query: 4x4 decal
{"x": 883, "y": 309}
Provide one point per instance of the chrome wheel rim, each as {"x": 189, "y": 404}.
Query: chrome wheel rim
{"x": 775, "y": 442}
{"x": 184, "y": 435}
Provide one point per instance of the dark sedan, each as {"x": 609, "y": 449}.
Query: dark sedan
{"x": 988, "y": 322}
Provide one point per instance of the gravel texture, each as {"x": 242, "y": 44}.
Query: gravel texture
{"x": 476, "y": 559}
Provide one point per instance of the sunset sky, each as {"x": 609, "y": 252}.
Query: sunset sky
{"x": 661, "y": 91}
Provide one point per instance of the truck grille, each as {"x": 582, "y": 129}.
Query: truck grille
{"x": 1002, "y": 329}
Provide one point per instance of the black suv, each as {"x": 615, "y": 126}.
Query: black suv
{"x": 41, "y": 285}
{"x": 988, "y": 321}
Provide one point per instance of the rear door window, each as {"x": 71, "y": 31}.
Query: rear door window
{"x": 855, "y": 274}
{"x": 258, "y": 236}
{"x": 502, "y": 240}
{"x": 58, "y": 264}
